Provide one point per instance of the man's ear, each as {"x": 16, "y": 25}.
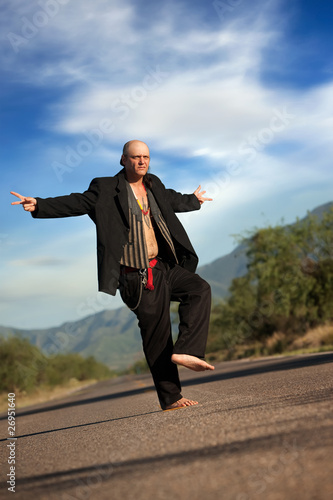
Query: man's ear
{"x": 122, "y": 160}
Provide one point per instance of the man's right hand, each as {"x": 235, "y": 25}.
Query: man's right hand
{"x": 29, "y": 204}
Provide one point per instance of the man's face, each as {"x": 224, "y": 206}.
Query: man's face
{"x": 136, "y": 161}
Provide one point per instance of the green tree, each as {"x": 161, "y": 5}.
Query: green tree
{"x": 288, "y": 286}
{"x": 24, "y": 367}
{"x": 19, "y": 364}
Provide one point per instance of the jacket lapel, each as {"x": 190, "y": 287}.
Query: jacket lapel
{"x": 160, "y": 201}
{"x": 121, "y": 197}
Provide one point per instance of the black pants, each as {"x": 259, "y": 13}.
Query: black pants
{"x": 172, "y": 283}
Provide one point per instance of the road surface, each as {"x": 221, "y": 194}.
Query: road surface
{"x": 262, "y": 430}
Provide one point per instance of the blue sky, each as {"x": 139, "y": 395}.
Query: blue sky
{"x": 233, "y": 95}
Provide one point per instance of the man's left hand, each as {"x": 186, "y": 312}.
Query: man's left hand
{"x": 200, "y": 195}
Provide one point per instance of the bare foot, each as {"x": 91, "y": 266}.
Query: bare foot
{"x": 181, "y": 403}
{"x": 191, "y": 362}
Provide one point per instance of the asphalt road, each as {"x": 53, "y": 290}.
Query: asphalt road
{"x": 262, "y": 430}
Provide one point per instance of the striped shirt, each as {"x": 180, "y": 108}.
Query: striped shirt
{"x": 135, "y": 252}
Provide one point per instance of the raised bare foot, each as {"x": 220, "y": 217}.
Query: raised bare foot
{"x": 191, "y": 362}
{"x": 181, "y": 403}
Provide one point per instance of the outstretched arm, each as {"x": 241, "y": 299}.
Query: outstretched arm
{"x": 29, "y": 204}
{"x": 187, "y": 202}
{"x": 70, "y": 205}
{"x": 178, "y": 201}
{"x": 200, "y": 196}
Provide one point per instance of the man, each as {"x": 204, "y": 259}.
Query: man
{"x": 144, "y": 251}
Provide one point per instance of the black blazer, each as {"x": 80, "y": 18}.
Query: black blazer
{"x": 106, "y": 203}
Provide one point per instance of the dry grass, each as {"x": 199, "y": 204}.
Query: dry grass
{"x": 44, "y": 394}
{"x": 315, "y": 338}
{"x": 277, "y": 343}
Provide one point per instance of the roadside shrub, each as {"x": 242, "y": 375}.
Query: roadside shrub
{"x": 24, "y": 367}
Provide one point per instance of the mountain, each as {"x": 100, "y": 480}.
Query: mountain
{"x": 319, "y": 211}
{"x": 112, "y": 336}
{"x": 222, "y": 271}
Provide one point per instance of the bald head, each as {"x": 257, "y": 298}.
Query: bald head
{"x": 135, "y": 159}
{"x": 134, "y": 147}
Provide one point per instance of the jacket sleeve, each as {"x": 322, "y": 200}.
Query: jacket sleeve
{"x": 182, "y": 202}
{"x": 179, "y": 202}
{"x": 71, "y": 205}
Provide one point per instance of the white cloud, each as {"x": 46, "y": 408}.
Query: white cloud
{"x": 195, "y": 92}
{"x": 77, "y": 43}
{"x": 211, "y": 102}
